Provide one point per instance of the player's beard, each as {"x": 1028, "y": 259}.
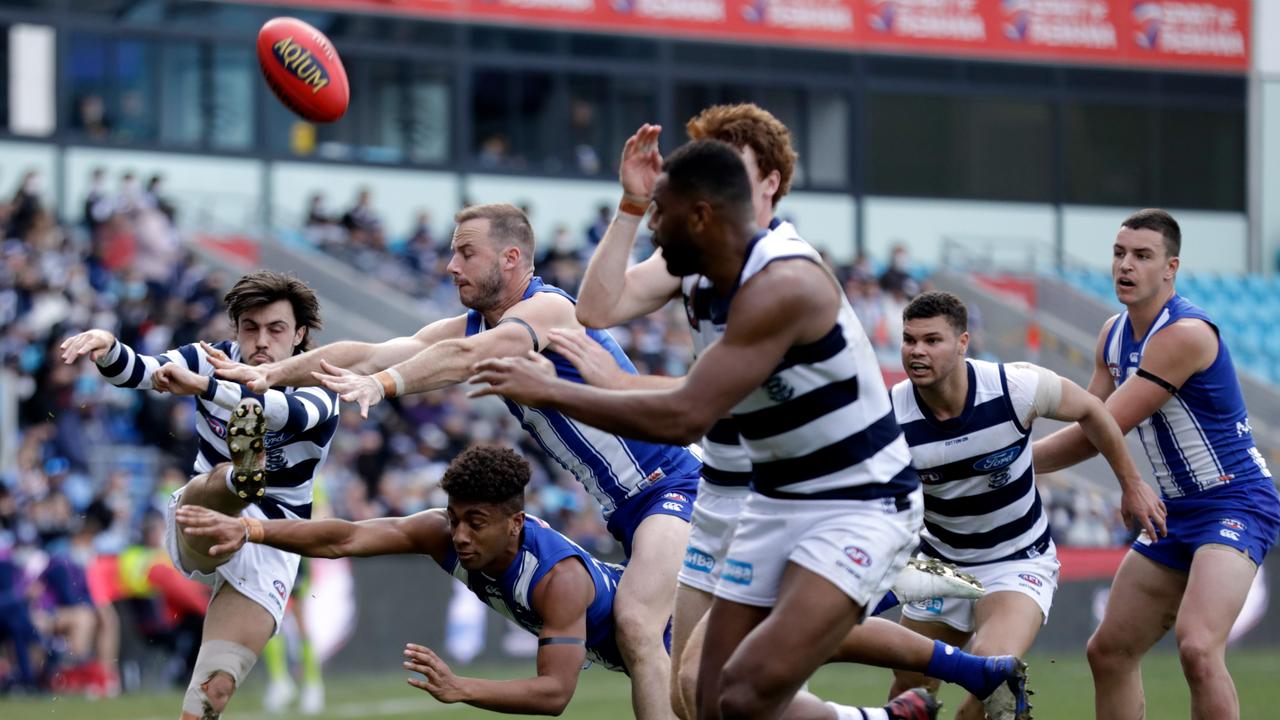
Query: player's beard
{"x": 486, "y": 291}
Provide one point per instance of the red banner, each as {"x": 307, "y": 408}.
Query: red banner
{"x": 1204, "y": 34}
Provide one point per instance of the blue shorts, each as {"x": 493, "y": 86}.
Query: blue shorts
{"x": 669, "y": 496}
{"x": 1245, "y": 517}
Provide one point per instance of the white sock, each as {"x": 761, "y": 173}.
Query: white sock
{"x": 848, "y": 712}
{"x": 230, "y": 486}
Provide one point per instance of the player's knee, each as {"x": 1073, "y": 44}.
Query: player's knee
{"x": 748, "y": 684}
{"x": 685, "y": 689}
{"x": 1107, "y": 652}
{"x": 739, "y": 696}
{"x": 1200, "y": 653}
{"x": 635, "y": 631}
{"x": 220, "y": 668}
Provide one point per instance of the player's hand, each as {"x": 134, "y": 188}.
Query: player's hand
{"x": 94, "y": 342}
{"x": 641, "y": 162}
{"x": 438, "y": 680}
{"x": 256, "y": 377}
{"x": 519, "y": 379}
{"x": 351, "y": 386}
{"x": 593, "y": 362}
{"x": 176, "y": 379}
{"x": 1142, "y": 509}
{"x": 227, "y": 532}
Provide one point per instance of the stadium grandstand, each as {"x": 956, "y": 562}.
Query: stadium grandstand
{"x": 990, "y": 148}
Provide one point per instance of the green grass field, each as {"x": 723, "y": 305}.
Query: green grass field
{"x": 1063, "y": 692}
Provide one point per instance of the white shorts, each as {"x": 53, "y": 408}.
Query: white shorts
{"x": 261, "y": 573}
{"x": 860, "y": 546}
{"x": 715, "y": 515}
{"x": 1036, "y": 577}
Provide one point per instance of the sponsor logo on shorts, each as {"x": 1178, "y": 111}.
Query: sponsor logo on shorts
{"x": 1233, "y": 524}
{"x": 1229, "y": 534}
{"x": 279, "y": 586}
{"x": 736, "y": 571}
{"x": 654, "y": 477}
{"x": 673, "y": 507}
{"x": 698, "y": 561}
{"x": 1031, "y": 579}
{"x": 857, "y": 555}
{"x": 997, "y": 460}
{"x": 1143, "y": 538}
{"x": 929, "y": 477}
{"x": 219, "y": 428}
{"x": 932, "y": 605}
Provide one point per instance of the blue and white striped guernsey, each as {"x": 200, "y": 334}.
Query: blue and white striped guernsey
{"x": 821, "y": 426}
{"x": 511, "y": 595}
{"x": 1200, "y": 438}
{"x": 611, "y": 468}
{"x": 300, "y": 421}
{"x": 724, "y": 461}
{"x": 980, "y": 504}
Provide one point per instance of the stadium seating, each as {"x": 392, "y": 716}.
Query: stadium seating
{"x": 1245, "y": 308}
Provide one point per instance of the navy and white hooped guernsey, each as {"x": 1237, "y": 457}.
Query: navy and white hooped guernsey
{"x": 724, "y": 461}
{"x": 541, "y": 547}
{"x": 301, "y": 422}
{"x": 821, "y": 427}
{"x": 611, "y": 468}
{"x": 981, "y": 503}
{"x": 1200, "y": 438}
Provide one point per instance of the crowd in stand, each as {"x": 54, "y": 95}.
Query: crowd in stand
{"x": 85, "y": 585}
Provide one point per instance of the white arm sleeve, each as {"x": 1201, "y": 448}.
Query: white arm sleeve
{"x": 1034, "y": 391}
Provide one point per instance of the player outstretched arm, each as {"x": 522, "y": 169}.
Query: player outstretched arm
{"x": 761, "y": 328}
{"x": 188, "y": 370}
{"x": 598, "y": 367}
{"x": 561, "y": 599}
{"x": 448, "y": 362}
{"x": 1141, "y": 507}
{"x": 360, "y": 357}
{"x": 612, "y": 293}
{"x": 424, "y": 533}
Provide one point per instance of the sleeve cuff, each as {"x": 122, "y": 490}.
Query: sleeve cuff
{"x": 109, "y": 356}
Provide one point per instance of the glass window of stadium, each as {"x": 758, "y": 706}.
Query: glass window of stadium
{"x": 998, "y": 148}
{"x": 112, "y": 89}
{"x": 403, "y": 114}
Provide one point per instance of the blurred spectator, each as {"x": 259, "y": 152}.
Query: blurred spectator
{"x": 896, "y": 278}
{"x": 599, "y": 226}
{"x": 155, "y": 198}
{"x": 98, "y": 205}
{"x": 25, "y": 207}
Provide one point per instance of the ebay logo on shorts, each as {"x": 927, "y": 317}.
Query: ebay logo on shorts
{"x": 736, "y": 571}
{"x": 699, "y": 561}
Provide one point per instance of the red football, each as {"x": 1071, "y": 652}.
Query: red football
{"x": 303, "y": 69}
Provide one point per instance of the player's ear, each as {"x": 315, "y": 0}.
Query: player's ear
{"x": 516, "y": 523}
{"x": 1171, "y": 270}
{"x": 299, "y": 336}
{"x": 699, "y": 216}
{"x": 963, "y": 342}
{"x": 771, "y": 183}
